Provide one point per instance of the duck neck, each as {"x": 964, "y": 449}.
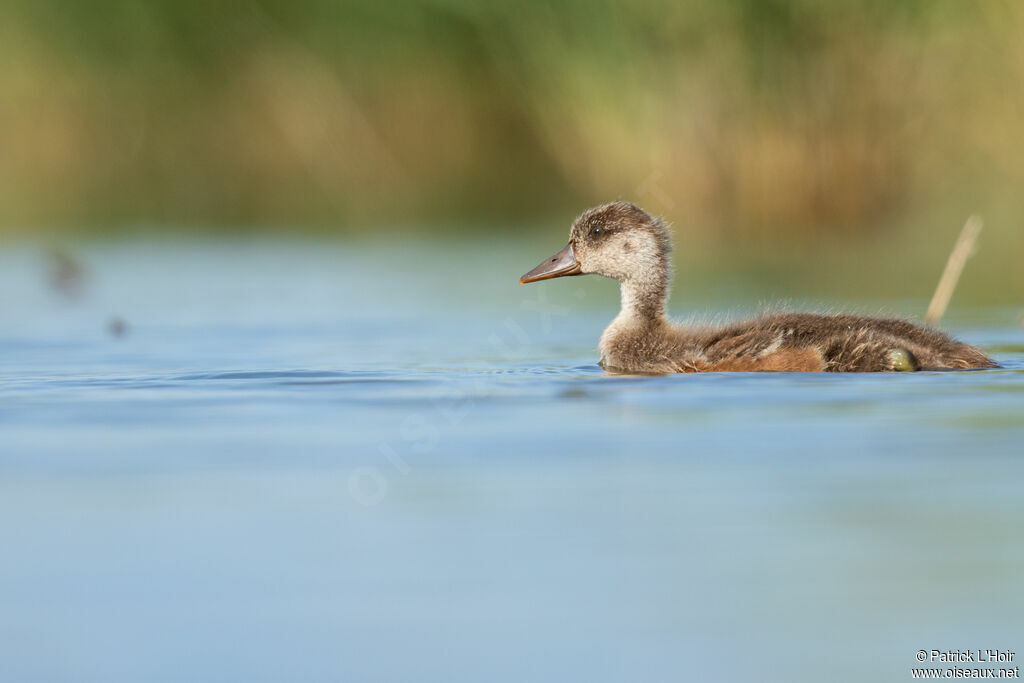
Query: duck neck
{"x": 643, "y": 299}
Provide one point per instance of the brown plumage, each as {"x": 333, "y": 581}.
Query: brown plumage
{"x": 621, "y": 241}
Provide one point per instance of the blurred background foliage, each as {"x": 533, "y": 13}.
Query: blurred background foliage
{"x": 753, "y": 122}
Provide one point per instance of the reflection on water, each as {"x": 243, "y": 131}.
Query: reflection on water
{"x": 294, "y": 464}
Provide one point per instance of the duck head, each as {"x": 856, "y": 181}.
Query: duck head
{"x": 617, "y": 240}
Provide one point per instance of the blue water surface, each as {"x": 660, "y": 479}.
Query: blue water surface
{"x": 367, "y": 462}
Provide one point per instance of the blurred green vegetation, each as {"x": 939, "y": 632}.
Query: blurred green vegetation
{"x": 759, "y": 122}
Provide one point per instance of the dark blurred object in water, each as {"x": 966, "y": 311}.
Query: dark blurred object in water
{"x": 117, "y": 327}
{"x": 66, "y": 273}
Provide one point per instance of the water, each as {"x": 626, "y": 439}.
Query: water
{"x": 370, "y": 462}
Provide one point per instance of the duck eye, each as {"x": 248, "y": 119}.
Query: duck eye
{"x": 595, "y": 231}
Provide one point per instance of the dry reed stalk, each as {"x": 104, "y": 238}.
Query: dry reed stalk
{"x": 963, "y": 248}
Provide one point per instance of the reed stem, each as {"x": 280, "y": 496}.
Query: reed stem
{"x": 963, "y": 248}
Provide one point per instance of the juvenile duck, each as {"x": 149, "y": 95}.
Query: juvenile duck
{"x": 621, "y": 241}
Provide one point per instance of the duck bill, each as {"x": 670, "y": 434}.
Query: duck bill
{"x": 561, "y": 264}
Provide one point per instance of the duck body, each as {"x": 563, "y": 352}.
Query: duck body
{"x": 786, "y": 342}
{"x": 621, "y": 241}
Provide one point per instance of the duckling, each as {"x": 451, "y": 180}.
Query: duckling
{"x": 623, "y": 242}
